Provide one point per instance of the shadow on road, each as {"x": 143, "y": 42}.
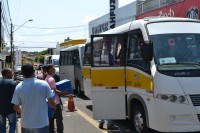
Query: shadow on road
{"x": 89, "y": 107}
{"x": 83, "y": 97}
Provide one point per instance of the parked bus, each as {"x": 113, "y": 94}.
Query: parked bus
{"x": 54, "y": 60}
{"x": 147, "y": 71}
{"x": 71, "y": 61}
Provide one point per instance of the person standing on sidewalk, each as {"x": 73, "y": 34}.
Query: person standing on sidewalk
{"x": 31, "y": 94}
{"x": 7, "y": 87}
{"x": 58, "y": 113}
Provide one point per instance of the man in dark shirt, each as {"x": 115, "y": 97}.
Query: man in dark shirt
{"x": 7, "y": 87}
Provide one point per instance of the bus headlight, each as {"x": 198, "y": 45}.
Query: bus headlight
{"x": 172, "y": 98}
{"x": 181, "y": 99}
{"x": 162, "y": 96}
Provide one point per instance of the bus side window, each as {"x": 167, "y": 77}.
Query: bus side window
{"x": 134, "y": 52}
{"x": 76, "y": 59}
{"x": 108, "y": 51}
{"x": 87, "y": 55}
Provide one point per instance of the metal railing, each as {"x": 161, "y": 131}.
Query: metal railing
{"x": 149, "y": 5}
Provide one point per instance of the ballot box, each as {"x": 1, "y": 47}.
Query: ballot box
{"x": 65, "y": 85}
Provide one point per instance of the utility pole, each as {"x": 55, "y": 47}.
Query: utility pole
{"x": 11, "y": 46}
{"x": 1, "y": 45}
{"x": 11, "y": 40}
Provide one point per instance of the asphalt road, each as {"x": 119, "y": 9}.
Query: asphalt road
{"x": 81, "y": 121}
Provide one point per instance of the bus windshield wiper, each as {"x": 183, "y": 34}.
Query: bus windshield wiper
{"x": 182, "y": 63}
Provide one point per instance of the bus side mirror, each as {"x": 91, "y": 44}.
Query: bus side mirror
{"x": 147, "y": 51}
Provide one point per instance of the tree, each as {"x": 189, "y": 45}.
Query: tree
{"x": 41, "y": 59}
{"x": 36, "y": 59}
{"x": 40, "y": 56}
{"x": 43, "y": 52}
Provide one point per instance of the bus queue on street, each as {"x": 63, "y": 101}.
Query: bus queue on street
{"x": 146, "y": 71}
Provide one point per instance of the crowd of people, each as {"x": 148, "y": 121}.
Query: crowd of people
{"x": 29, "y": 100}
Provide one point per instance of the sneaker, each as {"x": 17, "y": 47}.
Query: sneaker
{"x": 101, "y": 125}
{"x": 112, "y": 127}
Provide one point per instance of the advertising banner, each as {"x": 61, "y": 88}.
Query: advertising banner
{"x": 184, "y": 9}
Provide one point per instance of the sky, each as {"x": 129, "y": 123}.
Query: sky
{"x": 54, "y": 20}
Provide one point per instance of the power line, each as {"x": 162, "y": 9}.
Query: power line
{"x": 34, "y": 47}
{"x": 34, "y": 42}
{"x": 18, "y": 9}
{"x": 54, "y": 27}
{"x": 55, "y": 33}
{"x": 8, "y": 8}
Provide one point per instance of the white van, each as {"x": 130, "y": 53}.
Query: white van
{"x": 54, "y": 60}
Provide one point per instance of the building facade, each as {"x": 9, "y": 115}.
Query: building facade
{"x": 116, "y": 17}
{"x": 144, "y": 8}
{"x": 5, "y": 32}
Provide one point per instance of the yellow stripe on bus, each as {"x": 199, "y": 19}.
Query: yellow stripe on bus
{"x": 107, "y": 78}
{"x": 115, "y": 78}
{"x": 86, "y": 72}
{"x": 136, "y": 79}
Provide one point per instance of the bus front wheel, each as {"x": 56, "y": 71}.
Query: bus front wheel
{"x": 138, "y": 119}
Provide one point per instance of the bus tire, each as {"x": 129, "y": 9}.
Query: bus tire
{"x": 138, "y": 119}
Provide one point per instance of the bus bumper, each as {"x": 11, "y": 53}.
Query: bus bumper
{"x": 174, "y": 117}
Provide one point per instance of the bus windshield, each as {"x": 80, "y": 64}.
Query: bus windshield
{"x": 177, "y": 51}
{"x": 56, "y": 62}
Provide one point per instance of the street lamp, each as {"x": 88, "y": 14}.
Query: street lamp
{"x": 11, "y": 40}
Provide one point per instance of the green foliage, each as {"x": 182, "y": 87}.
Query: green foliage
{"x": 43, "y": 52}
{"x": 40, "y": 57}
{"x": 36, "y": 59}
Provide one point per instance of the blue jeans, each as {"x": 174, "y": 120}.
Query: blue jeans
{"x": 12, "y": 118}
{"x": 109, "y": 122}
{"x": 36, "y": 130}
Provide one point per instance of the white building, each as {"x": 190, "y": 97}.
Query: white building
{"x": 116, "y": 17}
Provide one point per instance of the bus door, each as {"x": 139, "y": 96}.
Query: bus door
{"x": 138, "y": 77}
{"x": 66, "y": 68}
{"x": 86, "y": 70}
{"x": 108, "y": 77}
{"x": 77, "y": 70}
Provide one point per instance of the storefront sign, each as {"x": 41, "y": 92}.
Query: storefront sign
{"x": 113, "y": 6}
{"x": 184, "y": 9}
{"x": 100, "y": 28}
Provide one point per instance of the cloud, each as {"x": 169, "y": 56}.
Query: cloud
{"x": 124, "y": 2}
{"x": 89, "y": 18}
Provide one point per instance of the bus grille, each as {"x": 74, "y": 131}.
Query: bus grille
{"x": 195, "y": 100}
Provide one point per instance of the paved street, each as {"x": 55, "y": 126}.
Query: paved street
{"x": 81, "y": 121}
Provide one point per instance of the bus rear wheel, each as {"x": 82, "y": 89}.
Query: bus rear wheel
{"x": 138, "y": 119}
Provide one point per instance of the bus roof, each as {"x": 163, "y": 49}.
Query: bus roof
{"x": 72, "y": 43}
{"x": 73, "y": 47}
{"x": 136, "y": 24}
